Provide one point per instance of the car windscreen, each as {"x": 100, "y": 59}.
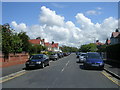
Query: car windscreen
{"x": 93, "y": 56}
{"x": 36, "y": 57}
{"x": 83, "y": 54}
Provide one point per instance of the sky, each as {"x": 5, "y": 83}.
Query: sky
{"x": 66, "y": 23}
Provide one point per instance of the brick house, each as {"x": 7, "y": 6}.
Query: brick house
{"x": 37, "y": 41}
{"x": 115, "y": 37}
{"x": 50, "y": 46}
{"x": 99, "y": 43}
{"x": 107, "y": 42}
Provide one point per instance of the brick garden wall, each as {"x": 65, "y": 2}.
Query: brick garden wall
{"x": 13, "y": 59}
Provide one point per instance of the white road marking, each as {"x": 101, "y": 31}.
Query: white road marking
{"x": 62, "y": 69}
{"x": 67, "y": 63}
{"x": 65, "y": 66}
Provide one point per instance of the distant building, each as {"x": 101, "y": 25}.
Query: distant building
{"x": 98, "y": 43}
{"x": 37, "y": 41}
{"x": 50, "y": 46}
{"x": 115, "y": 37}
{"x": 107, "y": 42}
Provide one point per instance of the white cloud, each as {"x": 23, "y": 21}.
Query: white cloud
{"x": 50, "y": 17}
{"x": 93, "y": 12}
{"x": 52, "y": 27}
{"x": 20, "y": 27}
{"x": 98, "y": 8}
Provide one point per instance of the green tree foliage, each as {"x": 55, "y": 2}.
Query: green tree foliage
{"x": 36, "y": 49}
{"x": 6, "y": 39}
{"x": 0, "y": 38}
{"x": 88, "y": 48}
{"x": 69, "y": 49}
{"x": 16, "y": 44}
{"x": 25, "y": 42}
{"x": 11, "y": 43}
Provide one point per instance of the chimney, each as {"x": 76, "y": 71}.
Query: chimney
{"x": 117, "y": 30}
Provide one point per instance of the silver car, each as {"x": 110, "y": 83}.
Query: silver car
{"x": 82, "y": 57}
{"x": 53, "y": 56}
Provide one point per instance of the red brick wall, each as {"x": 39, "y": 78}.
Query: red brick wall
{"x": 13, "y": 59}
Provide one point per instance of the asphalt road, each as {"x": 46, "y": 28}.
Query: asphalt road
{"x": 63, "y": 73}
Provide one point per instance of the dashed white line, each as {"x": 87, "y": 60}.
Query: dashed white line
{"x": 62, "y": 69}
{"x": 67, "y": 63}
{"x": 65, "y": 66}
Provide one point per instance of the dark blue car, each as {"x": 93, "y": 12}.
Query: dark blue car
{"x": 93, "y": 60}
{"x": 39, "y": 60}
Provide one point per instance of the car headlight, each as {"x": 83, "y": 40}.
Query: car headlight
{"x": 38, "y": 62}
{"x": 101, "y": 63}
{"x": 27, "y": 62}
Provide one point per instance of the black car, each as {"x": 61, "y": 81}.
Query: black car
{"x": 93, "y": 60}
{"x": 39, "y": 60}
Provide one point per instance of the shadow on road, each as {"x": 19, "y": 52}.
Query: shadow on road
{"x": 90, "y": 69}
{"x": 29, "y": 69}
{"x": 113, "y": 64}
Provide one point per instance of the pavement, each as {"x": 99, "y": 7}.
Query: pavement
{"x": 113, "y": 69}
{"x": 63, "y": 73}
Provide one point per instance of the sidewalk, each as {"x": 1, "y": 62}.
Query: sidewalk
{"x": 11, "y": 69}
{"x": 113, "y": 69}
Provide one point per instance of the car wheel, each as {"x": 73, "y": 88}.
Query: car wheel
{"x": 102, "y": 68}
{"x": 48, "y": 63}
{"x": 43, "y": 65}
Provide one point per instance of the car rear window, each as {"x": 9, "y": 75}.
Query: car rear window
{"x": 83, "y": 54}
{"x": 36, "y": 57}
{"x": 93, "y": 56}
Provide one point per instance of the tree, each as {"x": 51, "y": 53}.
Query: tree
{"x": 16, "y": 44}
{"x": 88, "y": 48}
{"x": 25, "y": 42}
{"x": 68, "y": 49}
{"x": 6, "y": 39}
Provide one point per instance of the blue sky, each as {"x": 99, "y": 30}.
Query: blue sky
{"x": 72, "y": 23}
{"x": 29, "y": 12}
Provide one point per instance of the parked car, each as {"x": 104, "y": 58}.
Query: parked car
{"x": 65, "y": 54}
{"x": 53, "y": 56}
{"x": 93, "y": 60}
{"x": 82, "y": 57}
{"x": 39, "y": 60}
{"x": 78, "y": 54}
{"x": 59, "y": 55}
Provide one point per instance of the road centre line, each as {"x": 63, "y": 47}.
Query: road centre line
{"x": 65, "y": 66}
{"x": 110, "y": 78}
{"x": 62, "y": 69}
{"x": 67, "y": 63}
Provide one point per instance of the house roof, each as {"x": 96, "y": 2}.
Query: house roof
{"x": 47, "y": 44}
{"x": 108, "y": 41}
{"x": 99, "y": 43}
{"x": 55, "y": 45}
{"x": 115, "y": 34}
{"x": 35, "y": 41}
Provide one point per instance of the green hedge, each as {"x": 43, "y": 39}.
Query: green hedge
{"x": 113, "y": 52}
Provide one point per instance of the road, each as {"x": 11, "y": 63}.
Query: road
{"x": 63, "y": 73}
